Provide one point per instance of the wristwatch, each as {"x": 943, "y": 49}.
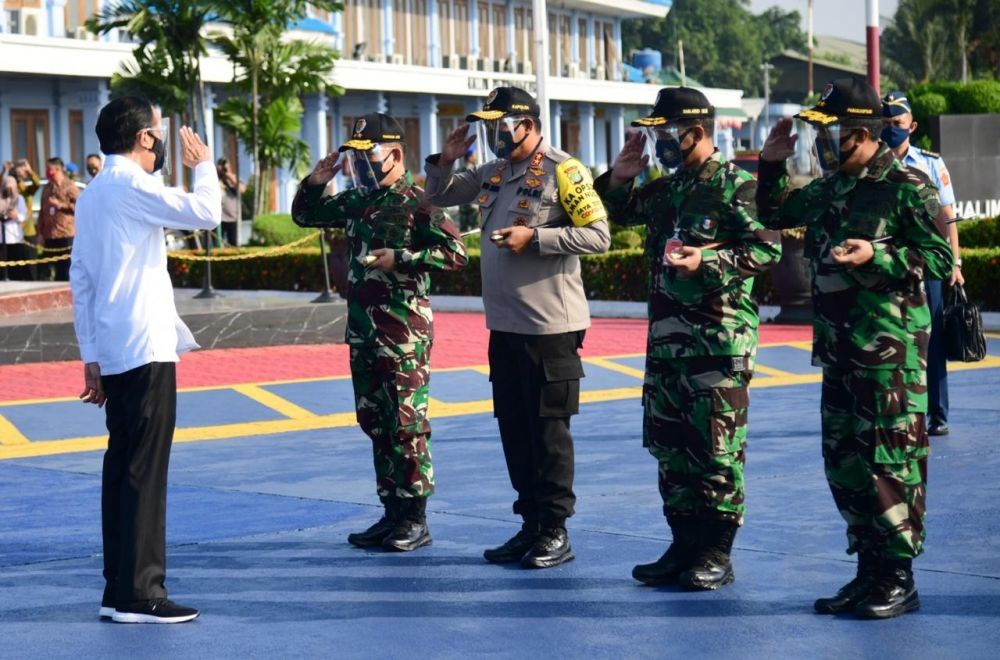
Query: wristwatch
{"x": 534, "y": 239}
{"x": 958, "y": 262}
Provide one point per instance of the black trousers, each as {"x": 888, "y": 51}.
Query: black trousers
{"x": 61, "y": 268}
{"x": 229, "y": 232}
{"x": 141, "y": 412}
{"x": 536, "y": 388}
{"x": 937, "y": 365}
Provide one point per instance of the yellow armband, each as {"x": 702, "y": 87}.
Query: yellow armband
{"x": 577, "y": 194}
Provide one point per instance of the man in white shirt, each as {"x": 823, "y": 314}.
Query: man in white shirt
{"x": 130, "y": 337}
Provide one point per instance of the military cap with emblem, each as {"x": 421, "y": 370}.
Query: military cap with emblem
{"x": 675, "y": 104}
{"x": 895, "y": 104}
{"x": 842, "y": 99}
{"x": 504, "y": 102}
{"x": 372, "y": 129}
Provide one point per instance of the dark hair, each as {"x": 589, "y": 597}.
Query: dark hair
{"x": 707, "y": 124}
{"x": 56, "y": 160}
{"x": 873, "y": 126}
{"x": 89, "y": 156}
{"x": 222, "y": 162}
{"x": 120, "y": 121}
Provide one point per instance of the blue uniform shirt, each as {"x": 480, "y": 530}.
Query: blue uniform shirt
{"x": 932, "y": 165}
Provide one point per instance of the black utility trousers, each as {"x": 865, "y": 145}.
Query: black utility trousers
{"x": 536, "y": 389}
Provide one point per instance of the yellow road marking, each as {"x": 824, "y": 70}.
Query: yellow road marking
{"x": 614, "y": 366}
{"x": 770, "y": 371}
{"x": 274, "y": 402}
{"x": 9, "y": 435}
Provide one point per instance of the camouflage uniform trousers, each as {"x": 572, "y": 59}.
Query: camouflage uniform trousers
{"x": 391, "y": 390}
{"x": 695, "y": 425}
{"x": 875, "y": 452}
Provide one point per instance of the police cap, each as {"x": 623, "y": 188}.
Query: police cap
{"x": 372, "y": 129}
{"x": 677, "y": 103}
{"x": 841, "y": 99}
{"x": 506, "y": 101}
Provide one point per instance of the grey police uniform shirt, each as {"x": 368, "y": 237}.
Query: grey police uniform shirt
{"x": 539, "y": 291}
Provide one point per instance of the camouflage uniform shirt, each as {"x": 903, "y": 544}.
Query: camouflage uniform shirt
{"x": 710, "y": 313}
{"x": 385, "y": 309}
{"x": 874, "y": 316}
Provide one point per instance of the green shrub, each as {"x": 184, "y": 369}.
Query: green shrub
{"x": 617, "y": 275}
{"x": 982, "y": 233}
{"x": 928, "y": 105}
{"x": 276, "y": 229}
{"x": 977, "y": 98}
{"x": 626, "y": 239}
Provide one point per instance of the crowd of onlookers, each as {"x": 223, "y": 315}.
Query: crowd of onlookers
{"x": 45, "y": 228}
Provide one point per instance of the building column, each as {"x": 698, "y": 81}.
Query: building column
{"x": 337, "y": 23}
{"x": 210, "y": 138}
{"x": 59, "y": 145}
{"x": 91, "y": 102}
{"x": 616, "y": 69}
{"x": 574, "y": 46}
{"x": 602, "y": 159}
{"x": 473, "y": 33}
{"x": 511, "y": 36}
{"x": 591, "y": 46}
{"x": 388, "y": 37}
{"x": 55, "y": 11}
{"x": 315, "y": 124}
{"x": 616, "y": 124}
{"x": 429, "y": 138}
{"x": 433, "y": 34}
{"x": 555, "y": 124}
{"x": 588, "y": 148}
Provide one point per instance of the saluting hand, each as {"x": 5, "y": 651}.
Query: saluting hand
{"x": 780, "y": 143}
{"x": 193, "y": 150}
{"x": 631, "y": 161}
{"x": 455, "y": 145}
{"x": 325, "y": 169}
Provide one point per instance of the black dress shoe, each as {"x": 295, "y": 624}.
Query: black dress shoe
{"x": 513, "y": 549}
{"x": 854, "y": 591}
{"x": 374, "y": 535}
{"x": 550, "y": 549}
{"x": 407, "y": 535}
{"x": 894, "y": 593}
{"x": 937, "y": 428}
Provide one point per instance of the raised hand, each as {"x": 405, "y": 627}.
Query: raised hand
{"x": 325, "y": 170}
{"x": 780, "y": 143}
{"x": 456, "y": 144}
{"x": 193, "y": 150}
{"x": 631, "y": 161}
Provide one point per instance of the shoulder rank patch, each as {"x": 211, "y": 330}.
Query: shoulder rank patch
{"x": 536, "y": 159}
{"x": 932, "y": 154}
{"x": 577, "y": 194}
{"x": 496, "y": 178}
{"x": 482, "y": 199}
{"x": 537, "y": 171}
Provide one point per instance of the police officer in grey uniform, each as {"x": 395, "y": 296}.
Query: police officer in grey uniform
{"x": 538, "y": 212}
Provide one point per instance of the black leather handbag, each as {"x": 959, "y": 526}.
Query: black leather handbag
{"x": 964, "y": 340}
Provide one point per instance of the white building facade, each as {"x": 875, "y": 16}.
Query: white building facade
{"x": 426, "y": 62}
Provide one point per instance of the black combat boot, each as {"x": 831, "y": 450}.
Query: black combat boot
{"x": 410, "y": 531}
{"x": 711, "y": 567}
{"x": 854, "y": 591}
{"x": 374, "y": 535}
{"x": 893, "y": 593}
{"x": 515, "y": 547}
{"x": 674, "y": 561}
{"x": 551, "y": 548}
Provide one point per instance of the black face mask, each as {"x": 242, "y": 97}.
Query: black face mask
{"x": 92, "y": 171}
{"x": 160, "y": 151}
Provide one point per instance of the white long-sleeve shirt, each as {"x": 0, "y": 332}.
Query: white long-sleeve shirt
{"x": 123, "y": 300}
{"x": 13, "y": 228}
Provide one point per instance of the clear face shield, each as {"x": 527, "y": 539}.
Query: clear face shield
{"x": 498, "y": 135}
{"x": 817, "y": 152}
{"x": 367, "y": 169}
{"x": 663, "y": 147}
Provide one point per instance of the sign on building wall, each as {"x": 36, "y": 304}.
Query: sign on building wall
{"x": 970, "y": 146}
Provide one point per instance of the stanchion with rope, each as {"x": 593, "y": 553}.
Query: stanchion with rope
{"x": 206, "y": 290}
{"x": 327, "y": 295}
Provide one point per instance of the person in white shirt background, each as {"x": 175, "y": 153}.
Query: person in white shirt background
{"x": 130, "y": 336}
{"x": 13, "y": 213}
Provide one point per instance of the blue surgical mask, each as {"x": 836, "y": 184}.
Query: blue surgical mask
{"x": 668, "y": 152}
{"x": 894, "y": 136}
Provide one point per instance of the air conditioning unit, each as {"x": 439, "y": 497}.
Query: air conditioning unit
{"x": 25, "y": 21}
{"x": 396, "y": 59}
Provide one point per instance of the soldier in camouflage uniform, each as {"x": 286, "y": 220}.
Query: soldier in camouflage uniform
{"x": 389, "y": 328}
{"x": 872, "y": 240}
{"x": 705, "y": 247}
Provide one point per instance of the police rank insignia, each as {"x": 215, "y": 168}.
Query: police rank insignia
{"x": 523, "y": 204}
{"x": 521, "y": 221}
{"x": 533, "y": 182}
{"x": 537, "y": 171}
{"x": 496, "y": 178}
{"x": 482, "y": 199}
{"x": 536, "y": 160}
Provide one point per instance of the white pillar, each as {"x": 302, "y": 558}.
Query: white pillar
{"x": 588, "y": 148}
{"x": 555, "y": 134}
{"x": 91, "y": 102}
{"x": 55, "y": 11}
{"x": 211, "y": 142}
{"x": 433, "y": 34}
{"x": 60, "y": 135}
{"x": 591, "y": 46}
{"x": 388, "y": 39}
{"x": 429, "y": 139}
{"x": 601, "y": 158}
{"x": 314, "y": 125}
{"x": 616, "y": 124}
{"x": 511, "y": 53}
{"x": 574, "y": 32}
{"x": 473, "y": 32}
{"x": 337, "y": 22}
